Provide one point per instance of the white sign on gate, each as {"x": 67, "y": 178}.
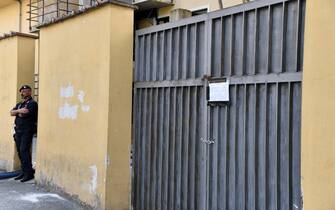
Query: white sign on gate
{"x": 219, "y": 91}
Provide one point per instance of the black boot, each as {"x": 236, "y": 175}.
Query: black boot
{"x": 19, "y": 177}
{"x": 27, "y": 178}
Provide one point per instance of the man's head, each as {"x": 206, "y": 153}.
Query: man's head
{"x": 25, "y": 91}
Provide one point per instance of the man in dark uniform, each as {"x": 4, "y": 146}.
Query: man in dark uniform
{"x": 25, "y": 114}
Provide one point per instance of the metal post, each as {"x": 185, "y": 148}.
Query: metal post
{"x": 67, "y": 6}
{"x": 57, "y": 8}
{"x": 29, "y": 14}
{"x": 42, "y": 11}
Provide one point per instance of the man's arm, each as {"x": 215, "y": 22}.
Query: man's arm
{"x": 15, "y": 111}
{"x": 19, "y": 111}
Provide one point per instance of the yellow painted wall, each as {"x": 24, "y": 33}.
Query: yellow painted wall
{"x": 10, "y": 19}
{"x": 16, "y": 68}
{"x": 120, "y": 106}
{"x": 87, "y": 155}
{"x": 8, "y": 98}
{"x": 318, "y": 107}
{"x": 192, "y": 5}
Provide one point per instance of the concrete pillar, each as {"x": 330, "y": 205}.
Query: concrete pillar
{"x": 85, "y": 98}
{"x": 16, "y": 68}
{"x": 318, "y": 107}
{"x": 178, "y": 14}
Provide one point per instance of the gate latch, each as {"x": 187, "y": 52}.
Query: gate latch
{"x": 207, "y": 141}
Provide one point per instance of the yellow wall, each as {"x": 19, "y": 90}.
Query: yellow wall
{"x": 8, "y": 98}
{"x": 87, "y": 155}
{"x": 16, "y": 68}
{"x": 10, "y": 19}
{"x": 192, "y": 5}
{"x": 318, "y": 107}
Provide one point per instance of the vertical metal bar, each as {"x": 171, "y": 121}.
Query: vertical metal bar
{"x": 172, "y": 141}
{"x": 177, "y": 69}
{"x": 143, "y": 146}
{"x": 163, "y": 57}
{"x": 166, "y": 141}
{"x": 284, "y": 29}
{"x": 289, "y": 140}
{"x": 269, "y": 24}
{"x": 137, "y": 59}
{"x": 43, "y": 5}
{"x": 257, "y": 153}
{"x": 225, "y": 159}
{"x": 154, "y": 148}
{"x": 160, "y": 121}
{"x": 67, "y": 7}
{"x": 149, "y": 139}
{"x": 244, "y": 158}
{"x": 221, "y": 47}
{"x": 179, "y": 149}
{"x": 207, "y": 118}
{"x": 193, "y": 143}
{"x": 184, "y": 54}
{"x": 254, "y": 153}
{"x": 243, "y": 44}
{"x": 234, "y": 156}
{"x": 57, "y": 8}
{"x": 30, "y": 14}
{"x": 148, "y": 58}
{"x": 282, "y": 55}
{"x": 297, "y": 36}
{"x": 240, "y": 147}
{"x": 142, "y": 59}
{"x": 284, "y": 154}
{"x": 154, "y": 58}
{"x": 169, "y": 55}
{"x": 296, "y": 146}
{"x": 202, "y": 156}
{"x": 138, "y": 152}
{"x": 193, "y": 51}
{"x": 255, "y": 42}
{"x": 134, "y": 146}
{"x": 265, "y": 147}
{"x": 185, "y": 152}
{"x": 231, "y": 52}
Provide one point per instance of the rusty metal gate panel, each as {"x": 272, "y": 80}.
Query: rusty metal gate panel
{"x": 240, "y": 155}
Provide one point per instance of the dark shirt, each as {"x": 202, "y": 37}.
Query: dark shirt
{"x": 28, "y": 120}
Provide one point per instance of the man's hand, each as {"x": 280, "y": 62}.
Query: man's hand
{"x": 19, "y": 112}
{"x": 23, "y": 111}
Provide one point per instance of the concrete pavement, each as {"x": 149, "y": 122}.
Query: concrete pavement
{"x": 15, "y": 195}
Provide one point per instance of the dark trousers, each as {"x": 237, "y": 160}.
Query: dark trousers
{"x": 23, "y": 140}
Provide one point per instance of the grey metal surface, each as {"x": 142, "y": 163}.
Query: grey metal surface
{"x": 242, "y": 155}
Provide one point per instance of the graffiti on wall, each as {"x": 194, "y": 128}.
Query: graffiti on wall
{"x": 70, "y": 110}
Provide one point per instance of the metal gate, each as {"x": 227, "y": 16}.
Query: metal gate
{"x": 242, "y": 155}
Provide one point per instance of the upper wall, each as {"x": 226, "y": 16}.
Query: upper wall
{"x": 11, "y": 20}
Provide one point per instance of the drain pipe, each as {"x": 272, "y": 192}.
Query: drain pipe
{"x": 20, "y": 16}
{"x": 220, "y": 4}
{"x": 8, "y": 175}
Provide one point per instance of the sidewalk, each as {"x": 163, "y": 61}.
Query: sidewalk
{"x": 15, "y": 195}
